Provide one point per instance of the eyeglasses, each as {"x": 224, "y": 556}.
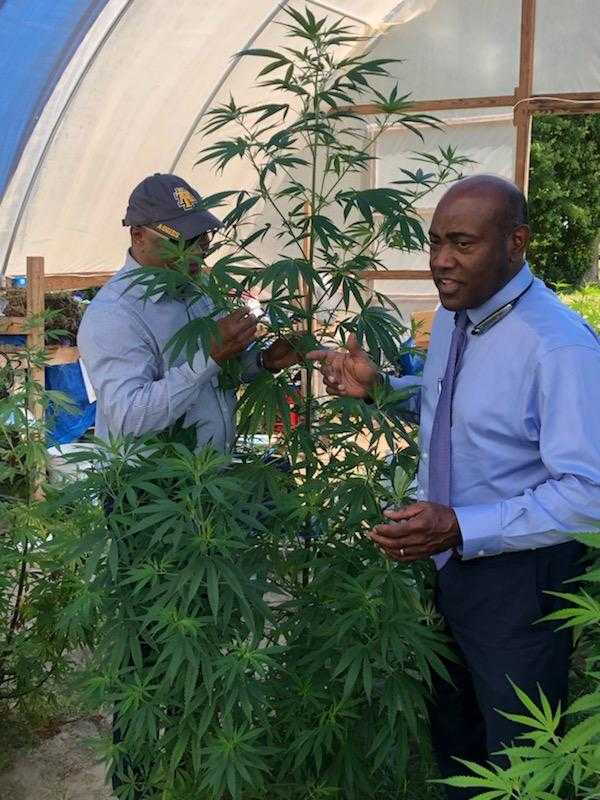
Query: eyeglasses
{"x": 203, "y": 239}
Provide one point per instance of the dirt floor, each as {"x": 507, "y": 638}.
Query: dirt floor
{"x": 62, "y": 767}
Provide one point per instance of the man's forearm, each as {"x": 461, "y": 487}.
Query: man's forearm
{"x": 135, "y": 407}
{"x": 540, "y": 517}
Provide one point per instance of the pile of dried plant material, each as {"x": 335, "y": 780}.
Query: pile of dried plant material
{"x": 66, "y": 316}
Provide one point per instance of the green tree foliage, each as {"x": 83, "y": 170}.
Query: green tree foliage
{"x": 564, "y": 196}
{"x": 318, "y": 692}
{"x": 586, "y": 301}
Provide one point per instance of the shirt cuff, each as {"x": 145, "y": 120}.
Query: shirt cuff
{"x": 260, "y": 363}
{"x": 249, "y": 361}
{"x": 404, "y": 383}
{"x": 480, "y": 531}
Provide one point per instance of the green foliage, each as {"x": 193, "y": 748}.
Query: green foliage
{"x": 564, "y": 197}
{"x": 316, "y": 692}
{"x": 586, "y": 301}
{"x": 181, "y": 642}
{"x": 35, "y": 582}
{"x": 547, "y": 763}
{"x": 255, "y": 641}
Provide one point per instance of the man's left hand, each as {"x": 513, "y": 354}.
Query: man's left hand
{"x": 416, "y": 531}
{"x": 279, "y": 355}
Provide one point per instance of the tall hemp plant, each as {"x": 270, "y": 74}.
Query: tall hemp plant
{"x": 36, "y": 582}
{"x": 256, "y": 641}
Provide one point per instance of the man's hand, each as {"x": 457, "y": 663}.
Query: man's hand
{"x": 237, "y": 330}
{"x": 347, "y": 373}
{"x": 280, "y": 355}
{"x": 417, "y": 531}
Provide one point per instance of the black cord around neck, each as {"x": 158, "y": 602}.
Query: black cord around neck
{"x": 495, "y": 317}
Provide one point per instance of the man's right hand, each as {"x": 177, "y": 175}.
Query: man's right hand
{"x": 237, "y": 330}
{"x": 347, "y": 373}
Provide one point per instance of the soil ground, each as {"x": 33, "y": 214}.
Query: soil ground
{"x": 63, "y": 766}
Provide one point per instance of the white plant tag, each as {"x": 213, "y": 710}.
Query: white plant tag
{"x": 87, "y": 383}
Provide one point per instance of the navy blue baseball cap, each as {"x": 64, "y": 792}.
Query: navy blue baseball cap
{"x": 169, "y": 205}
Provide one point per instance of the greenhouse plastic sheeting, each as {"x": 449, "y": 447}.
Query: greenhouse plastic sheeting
{"x": 96, "y": 95}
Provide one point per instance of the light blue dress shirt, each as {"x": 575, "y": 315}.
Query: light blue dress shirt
{"x": 122, "y": 340}
{"x": 526, "y": 421}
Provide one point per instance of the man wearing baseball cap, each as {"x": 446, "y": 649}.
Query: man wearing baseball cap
{"x": 123, "y": 335}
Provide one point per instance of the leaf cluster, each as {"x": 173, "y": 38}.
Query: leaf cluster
{"x": 564, "y": 197}
{"x": 37, "y": 580}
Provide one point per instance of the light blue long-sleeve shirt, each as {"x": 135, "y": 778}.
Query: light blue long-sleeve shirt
{"x": 122, "y": 340}
{"x": 525, "y": 421}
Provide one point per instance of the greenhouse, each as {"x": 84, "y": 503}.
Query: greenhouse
{"x": 299, "y": 391}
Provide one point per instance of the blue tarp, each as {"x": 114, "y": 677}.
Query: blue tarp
{"x": 65, "y": 378}
{"x": 37, "y": 41}
{"x": 411, "y": 363}
{"x": 64, "y": 427}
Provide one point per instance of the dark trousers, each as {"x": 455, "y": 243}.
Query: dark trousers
{"x": 490, "y": 606}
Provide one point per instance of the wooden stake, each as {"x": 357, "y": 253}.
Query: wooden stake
{"x": 397, "y": 274}
{"x": 35, "y": 308}
{"x": 523, "y": 91}
{"x": 491, "y": 101}
{"x": 371, "y": 184}
{"x": 306, "y": 377}
{"x": 35, "y": 340}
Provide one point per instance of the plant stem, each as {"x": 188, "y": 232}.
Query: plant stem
{"x": 19, "y": 598}
{"x": 266, "y": 195}
{"x": 309, "y": 311}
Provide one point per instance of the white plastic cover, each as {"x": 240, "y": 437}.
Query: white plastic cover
{"x": 129, "y": 101}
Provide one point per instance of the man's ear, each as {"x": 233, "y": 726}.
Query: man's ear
{"x": 137, "y": 235}
{"x": 519, "y": 239}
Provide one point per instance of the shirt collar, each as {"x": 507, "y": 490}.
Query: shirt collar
{"x": 513, "y": 289}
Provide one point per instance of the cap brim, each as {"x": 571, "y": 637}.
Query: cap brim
{"x": 194, "y": 223}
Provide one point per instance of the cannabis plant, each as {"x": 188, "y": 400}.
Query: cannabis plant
{"x": 558, "y": 756}
{"x": 177, "y": 574}
{"x": 256, "y": 642}
{"x": 35, "y": 582}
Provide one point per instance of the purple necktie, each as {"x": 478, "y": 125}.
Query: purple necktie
{"x": 440, "y": 448}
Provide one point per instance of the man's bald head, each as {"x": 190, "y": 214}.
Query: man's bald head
{"x": 478, "y": 238}
{"x": 505, "y": 201}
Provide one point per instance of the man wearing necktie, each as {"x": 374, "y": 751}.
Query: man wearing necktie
{"x": 510, "y": 464}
